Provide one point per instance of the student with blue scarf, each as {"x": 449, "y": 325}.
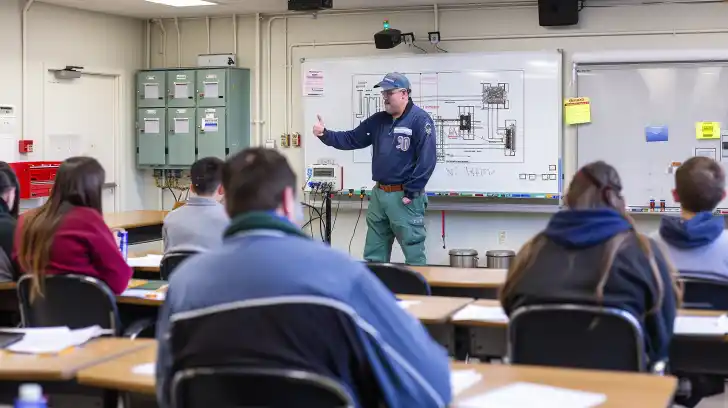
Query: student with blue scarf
{"x": 696, "y": 241}
{"x": 591, "y": 254}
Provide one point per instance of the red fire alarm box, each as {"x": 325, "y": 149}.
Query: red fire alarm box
{"x": 35, "y": 178}
{"x": 25, "y": 146}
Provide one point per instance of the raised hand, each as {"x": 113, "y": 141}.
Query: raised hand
{"x": 319, "y": 127}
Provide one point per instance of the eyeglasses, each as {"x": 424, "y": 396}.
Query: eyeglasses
{"x": 391, "y": 92}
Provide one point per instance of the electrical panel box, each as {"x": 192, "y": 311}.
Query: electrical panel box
{"x": 151, "y": 137}
{"x": 181, "y": 89}
{"x": 211, "y": 87}
{"x": 212, "y": 132}
{"x": 203, "y": 112}
{"x": 151, "y": 89}
{"x": 181, "y": 144}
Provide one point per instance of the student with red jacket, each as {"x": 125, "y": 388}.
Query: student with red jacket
{"x": 68, "y": 235}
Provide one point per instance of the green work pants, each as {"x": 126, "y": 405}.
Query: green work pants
{"x": 389, "y": 218}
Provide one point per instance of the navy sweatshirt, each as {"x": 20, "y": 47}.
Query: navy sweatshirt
{"x": 404, "y": 149}
{"x": 567, "y": 270}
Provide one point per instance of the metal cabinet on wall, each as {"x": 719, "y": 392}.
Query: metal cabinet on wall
{"x": 203, "y": 112}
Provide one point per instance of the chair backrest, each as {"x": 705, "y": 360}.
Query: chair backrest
{"x": 173, "y": 259}
{"x": 400, "y": 279}
{"x": 75, "y": 301}
{"x": 263, "y": 387}
{"x": 704, "y": 291}
{"x": 576, "y": 336}
{"x": 269, "y": 334}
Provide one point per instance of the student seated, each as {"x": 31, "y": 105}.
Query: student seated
{"x": 591, "y": 254}
{"x": 266, "y": 259}
{"x": 199, "y": 224}
{"x": 9, "y": 203}
{"x": 696, "y": 241}
{"x": 68, "y": 235}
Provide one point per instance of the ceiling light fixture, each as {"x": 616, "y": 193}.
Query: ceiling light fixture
{"x": 183, "y": 3}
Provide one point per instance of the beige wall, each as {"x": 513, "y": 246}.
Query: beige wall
{"x": 505, "y": 29}
{"x": 57, "y": 37}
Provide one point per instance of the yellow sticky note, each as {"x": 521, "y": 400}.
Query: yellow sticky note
{"x": 577, "y": 110}
{"x": 707, "y": 130}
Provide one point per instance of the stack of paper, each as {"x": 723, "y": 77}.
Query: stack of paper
{"x": 701, "y": 325}
{"x": 460, "y": 380}
{"x": 53, "y": 340}
{"x": 481, "y": 313}
{"x": 149, "y": 261}
{"x": 405, "y": 304}
{"x": 520, "y": 395}
{"x": 143, "y": 369}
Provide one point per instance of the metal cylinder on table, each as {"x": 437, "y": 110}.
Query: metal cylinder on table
{"x": 499, "y": 258}
{"x": 463, "y": 258}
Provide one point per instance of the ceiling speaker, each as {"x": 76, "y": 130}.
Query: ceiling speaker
{"x": 558, "y": 12}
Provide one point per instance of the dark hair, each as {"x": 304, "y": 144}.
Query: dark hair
{"x": 8, "y": 180}
{"x": 78, "y": 183}
{"x": 700, "y": 184}
{"x": 596, "y": 185}
{"x": 255, "y": 179}
{"x": 206, "y": 175}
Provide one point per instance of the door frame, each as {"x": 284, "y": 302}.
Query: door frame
{"x": 120, "y": 155}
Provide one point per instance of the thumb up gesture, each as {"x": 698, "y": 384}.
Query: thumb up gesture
{"x": 318, "y": 127}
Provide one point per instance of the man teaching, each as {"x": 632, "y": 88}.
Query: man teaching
{"x": 404, "y": 156}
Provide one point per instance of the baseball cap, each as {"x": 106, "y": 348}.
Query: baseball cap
{"x": 393, "y": 80}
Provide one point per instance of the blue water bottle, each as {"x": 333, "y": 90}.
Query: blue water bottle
{"x": 30, "y": 396}
{"x": 123, "y": 243}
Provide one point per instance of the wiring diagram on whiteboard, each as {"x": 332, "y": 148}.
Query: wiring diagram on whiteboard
{"x": 478, "y": 115}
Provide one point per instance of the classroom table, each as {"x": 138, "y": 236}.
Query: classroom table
{"x": 444, "y": 280}
{"x": 65, "y": 365}
{"x": 117, "y": 373}
{"x": 142, "y": 225}
{"x": 621, "y": 389}
{"x": 434, "y": 309}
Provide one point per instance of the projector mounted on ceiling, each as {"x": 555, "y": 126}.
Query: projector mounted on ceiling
{"x": 309, "y": 5}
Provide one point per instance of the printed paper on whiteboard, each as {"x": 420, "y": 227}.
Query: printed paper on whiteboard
{"x": 313, "y": 83}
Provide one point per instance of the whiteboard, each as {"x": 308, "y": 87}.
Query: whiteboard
{"x": 636, "y": 106}
{"x": 496, "y": 93}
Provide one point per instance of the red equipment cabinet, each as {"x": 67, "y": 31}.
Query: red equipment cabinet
{"x": 35, "y": 178}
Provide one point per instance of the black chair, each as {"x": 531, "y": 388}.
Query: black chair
{"x": 173, "y": 259}
{"x": 264, "y": 353}
{"x": 76, "y": 301}
{"x": 577, "y": 336}
{"x": 400, "y": 279}
{"x": 704, "y": 291}
{"x": 271, "y": 388}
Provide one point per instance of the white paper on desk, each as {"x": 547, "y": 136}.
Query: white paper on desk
{"x": 461, "y": 380}
{"x": 405, "y": 304}
{"x": 144, "y": 294}
{"x": 143, "y": 369}
{"x": 481, "y": 313}
{"x": 701, "y": 325}
{"x": 54, "y": 340}
{"x": 519, "y": 395}
{"x": 149, "y": 261}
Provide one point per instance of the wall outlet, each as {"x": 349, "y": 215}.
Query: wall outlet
{"x": 501, "y": 237}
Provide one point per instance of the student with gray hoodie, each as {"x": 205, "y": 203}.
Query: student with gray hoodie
{"x": 696, "y": 241}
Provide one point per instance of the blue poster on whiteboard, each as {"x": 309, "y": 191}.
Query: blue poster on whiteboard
{"x": 656, "y": 134}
